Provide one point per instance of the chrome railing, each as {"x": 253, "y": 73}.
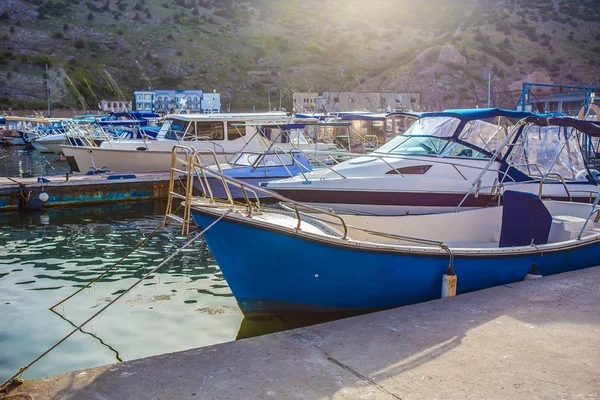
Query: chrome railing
{"x": 198, "y": 168}
{"x": 594, "y": 209}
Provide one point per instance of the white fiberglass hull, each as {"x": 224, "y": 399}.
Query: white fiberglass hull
{"x": 85, "y": 159}
{"x": 50, "y": 143}
{"x": 136, "y": 156}
{"x": 39, "y": 147}
{"x": 366, "y": 186}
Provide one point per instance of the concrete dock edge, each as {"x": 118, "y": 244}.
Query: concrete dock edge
{"x": 536, "y": 339}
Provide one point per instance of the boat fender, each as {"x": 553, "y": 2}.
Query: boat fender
{"x": 533, "y": 273}
{"x": 43, "y": 197}
{"x": 449, "y": 282}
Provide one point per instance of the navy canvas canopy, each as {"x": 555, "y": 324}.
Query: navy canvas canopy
{"x": 480, "y": 113}
{"x": 591, "y": 128}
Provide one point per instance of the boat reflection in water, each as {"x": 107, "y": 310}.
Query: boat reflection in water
{"x": 252, "y": 326}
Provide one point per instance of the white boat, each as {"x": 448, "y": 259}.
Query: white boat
{"x": 225, "y": 134}
{"x": 18, "y": 131}
{"x": 465, "y": 157}
{"x": 49, "y": 143}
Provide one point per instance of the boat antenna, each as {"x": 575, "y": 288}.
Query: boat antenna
{"x": 339, "y": 91}
{"x": 146, "y": 79}
{"x": 92, "y": 91}
{"x": 78, "y": 94}
{"x": 65, "y": 94}
{"x": 113, "y": 85}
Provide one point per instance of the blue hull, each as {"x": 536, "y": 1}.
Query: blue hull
{"x": 274, "y": 272}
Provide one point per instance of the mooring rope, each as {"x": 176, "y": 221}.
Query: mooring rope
{"x": 106, "y": 271}
{"x": 15, "y": 378}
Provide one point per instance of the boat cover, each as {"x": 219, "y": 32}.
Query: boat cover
{"x": 591, "y": 128}
{"x": 524, "y": 219}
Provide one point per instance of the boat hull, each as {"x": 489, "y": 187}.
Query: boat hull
{"x": 218, "y": 189}
{"x": 50, "y": 143}
{"x": 400, "y": 202}
{"x": 84, "y": 159}
{"x": 299, "y": 274}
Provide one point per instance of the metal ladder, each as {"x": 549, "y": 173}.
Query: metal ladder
{"x": 180, "y": 167}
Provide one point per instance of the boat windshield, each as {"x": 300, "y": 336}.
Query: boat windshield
{"x": 267, "y": 160}
{"x": 427, "y": 132}
{"x": 487, "y": 135}
{"x": 543, "y": 150}
{"x": 434, "y": 126}
{"x": 431, "y": 135}
{"x": 429, "y": 145}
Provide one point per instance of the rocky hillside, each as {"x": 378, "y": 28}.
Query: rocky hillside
{"x": 244, "y": 48}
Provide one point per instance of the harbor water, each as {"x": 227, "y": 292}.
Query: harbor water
{"x": 47, "y": 255}
{"x": 18, "y": 161}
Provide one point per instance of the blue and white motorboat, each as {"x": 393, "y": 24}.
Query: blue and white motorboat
{"x": 254, "y": 167}
{"x": 456, "y": 157}
{"x": 82, "y": 129}
{"x": 301, "y": 259}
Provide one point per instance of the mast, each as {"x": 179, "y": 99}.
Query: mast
{"x": 48, "y": 94}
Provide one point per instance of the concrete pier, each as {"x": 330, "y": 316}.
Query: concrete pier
{"x": 536, "y": 339}
{"x": 81, "y": 190}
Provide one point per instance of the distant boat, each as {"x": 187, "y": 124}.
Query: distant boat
{"x": 225, "y": 134}
{"x": 128, "y": 125}
{"x": 17, "y": 130}
{"x": 254, "y": 168}
{"x": 301, "y": 260}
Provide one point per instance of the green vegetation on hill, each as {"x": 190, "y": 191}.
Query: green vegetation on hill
{"x": 245, "y": 48}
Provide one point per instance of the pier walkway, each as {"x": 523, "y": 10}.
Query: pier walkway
{"x": 536, "y": 339}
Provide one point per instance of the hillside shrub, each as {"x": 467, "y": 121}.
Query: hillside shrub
{"x": 539, "y": 61}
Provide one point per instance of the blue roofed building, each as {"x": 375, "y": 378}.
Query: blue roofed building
{"x": 166, "y": 101}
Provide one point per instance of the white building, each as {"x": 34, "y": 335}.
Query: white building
{"x": 114, "y": 105}
{"x": 192, "y": 101}
{"x": 356, "y": 101}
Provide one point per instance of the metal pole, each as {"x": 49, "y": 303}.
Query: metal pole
{"x": 48, "y": 94}
{"x": 489, "y": 89}
{"x": 269, "y": 94}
